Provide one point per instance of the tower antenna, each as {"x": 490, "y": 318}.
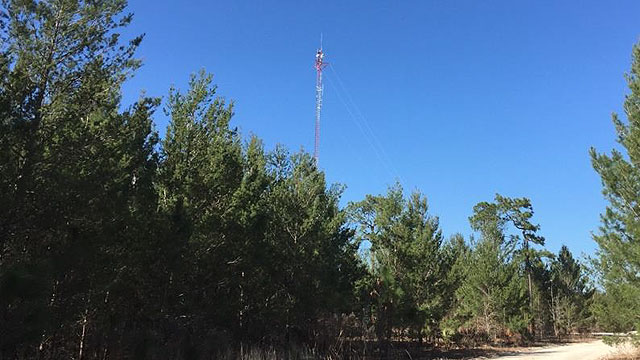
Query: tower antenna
{"x": 319, "y": 66}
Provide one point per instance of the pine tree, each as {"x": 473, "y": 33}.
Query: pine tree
{"x": 495, "y": 263}
{"x": 569, "y": 293}
{"x": 491, "y": 298}
{"x": 619, "y": 236}
{"x": 309, "y": 251}
{"x": 409, "y": 262}
{"x": 76, "y": 179}
{"x": 516, "y": 212}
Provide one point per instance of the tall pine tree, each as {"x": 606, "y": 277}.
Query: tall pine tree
{"x": 619, "y": 235}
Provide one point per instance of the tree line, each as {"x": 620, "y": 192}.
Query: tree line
{"x": 116, "y": 243}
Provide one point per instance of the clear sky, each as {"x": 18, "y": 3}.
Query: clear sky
{"x": 460, "y": 99}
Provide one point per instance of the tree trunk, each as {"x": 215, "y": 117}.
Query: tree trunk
{"x": 82, "y": 335}
{"x": 527, "y": 266}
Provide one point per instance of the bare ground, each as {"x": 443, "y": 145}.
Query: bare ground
{"x": 592, "y": 350}
{"x": 578, "y": 349}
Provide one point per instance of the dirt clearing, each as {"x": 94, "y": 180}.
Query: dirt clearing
{"x": 593, "y": 350}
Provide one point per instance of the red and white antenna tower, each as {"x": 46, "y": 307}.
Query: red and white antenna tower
{"x": 319, "y": 66}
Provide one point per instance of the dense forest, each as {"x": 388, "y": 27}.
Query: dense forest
{"x": 117, "y": 243}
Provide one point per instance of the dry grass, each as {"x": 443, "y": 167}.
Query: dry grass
{"x": 625, "y": 352}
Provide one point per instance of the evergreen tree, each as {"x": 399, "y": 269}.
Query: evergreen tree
{"x": 490, "y": 295}
{"x": 116, "y": 244}
{"x": 517, "y": 212}
{"x": 491, "y": 299}
{"x": 409, "y": 263}
{"x": 619, "y": 236}
{"x": 76, "y": 175}
{"x": 569, "y": 293}
{"x": 311, "y": 253}
{"x": 267, "y": 253}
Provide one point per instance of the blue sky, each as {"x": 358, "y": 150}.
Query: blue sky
{"x": 463, "y": 99}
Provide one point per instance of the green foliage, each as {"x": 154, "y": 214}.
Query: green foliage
{"x": 262, "y": 231}
{"x": 619, "y": 248}
{"x": 569, "y": 294}
{"x": 492, "y": 297}
{"x": 76, "y": 179}
{"x": 115, "y": 243}
{"x": 409, "y": 262}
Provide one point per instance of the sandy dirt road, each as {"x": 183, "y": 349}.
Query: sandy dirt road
{"x": 581, "y": 351}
